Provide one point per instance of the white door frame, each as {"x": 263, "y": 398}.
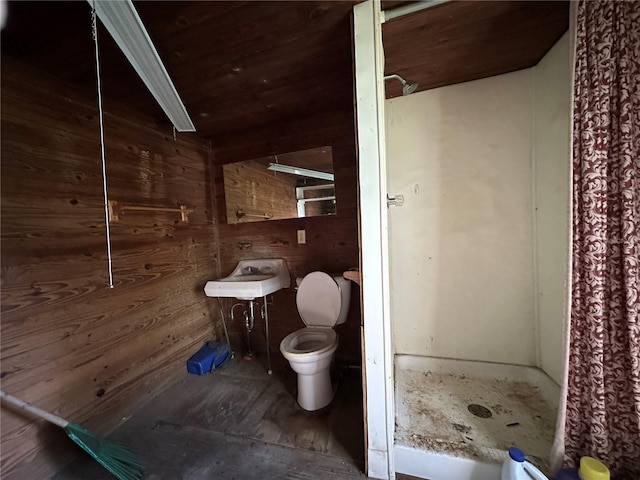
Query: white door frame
{"x": 372, "y": 175}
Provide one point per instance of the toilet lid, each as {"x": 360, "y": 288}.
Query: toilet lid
{"x": 319, "y": 300}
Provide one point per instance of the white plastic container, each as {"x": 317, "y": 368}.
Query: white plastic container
{"x": 516, "y": 467}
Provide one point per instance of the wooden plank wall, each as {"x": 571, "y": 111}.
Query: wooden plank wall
{"x": 332, "y": 241}
{"x": 70, "y": 344}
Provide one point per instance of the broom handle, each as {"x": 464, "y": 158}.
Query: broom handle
{"x": 49, "y": 417}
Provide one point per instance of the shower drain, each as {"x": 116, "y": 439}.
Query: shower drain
{"x": 479, "y": 410}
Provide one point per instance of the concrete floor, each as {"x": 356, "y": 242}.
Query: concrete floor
{"x": 240, "y": 423}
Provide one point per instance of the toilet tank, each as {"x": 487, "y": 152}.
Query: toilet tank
{"x": 345, "y": 293}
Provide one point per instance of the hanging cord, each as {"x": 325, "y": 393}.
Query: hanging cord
{"x": 94, "y": 28}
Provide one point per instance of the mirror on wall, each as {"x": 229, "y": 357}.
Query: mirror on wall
{"x": 288, "y": 185}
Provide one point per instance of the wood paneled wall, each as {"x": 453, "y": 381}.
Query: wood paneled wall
{"x": 70, "y": 344}
{"x": 332, "y": 241}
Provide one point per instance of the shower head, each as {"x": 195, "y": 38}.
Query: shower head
{"x": 407, "y": 87}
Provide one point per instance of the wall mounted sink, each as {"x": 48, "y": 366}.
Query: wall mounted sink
{"x": 251, "y": 279}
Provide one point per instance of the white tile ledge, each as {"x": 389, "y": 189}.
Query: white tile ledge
{"x": 439, "y": 466}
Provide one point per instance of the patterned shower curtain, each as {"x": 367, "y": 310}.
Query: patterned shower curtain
{"x": 603, "y": 391}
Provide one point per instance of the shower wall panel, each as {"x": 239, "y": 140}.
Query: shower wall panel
{"x": 461, "y": 247}
{"x": 552, "y": 182}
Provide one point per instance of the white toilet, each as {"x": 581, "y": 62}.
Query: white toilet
{"x": 323, "y": 302}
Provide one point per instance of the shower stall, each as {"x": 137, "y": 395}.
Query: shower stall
{"x": 478, "y": 263}
{"x": 464, "y": 263}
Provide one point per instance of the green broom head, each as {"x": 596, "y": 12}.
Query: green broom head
{"x": 114, "y": 456}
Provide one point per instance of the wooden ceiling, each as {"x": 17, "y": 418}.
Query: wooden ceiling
{"x": 243, "y": 65}
{"x": 458, "y": 41}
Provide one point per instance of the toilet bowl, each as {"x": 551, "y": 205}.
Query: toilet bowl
{"x": 323, "y": 302}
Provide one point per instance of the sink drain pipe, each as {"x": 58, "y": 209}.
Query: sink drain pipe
{"x": 249, "y": 320}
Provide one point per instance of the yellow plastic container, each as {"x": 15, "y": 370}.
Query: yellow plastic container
{"x": 592, "y": 469}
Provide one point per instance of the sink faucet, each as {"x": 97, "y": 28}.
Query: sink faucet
{"x": 251, "y": 271}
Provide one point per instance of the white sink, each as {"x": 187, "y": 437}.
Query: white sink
{"x": 251, "y": 279}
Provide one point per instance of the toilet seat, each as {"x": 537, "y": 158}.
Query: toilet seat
{"x": 319, "y": 300}
{"x": 309, "y": 340}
